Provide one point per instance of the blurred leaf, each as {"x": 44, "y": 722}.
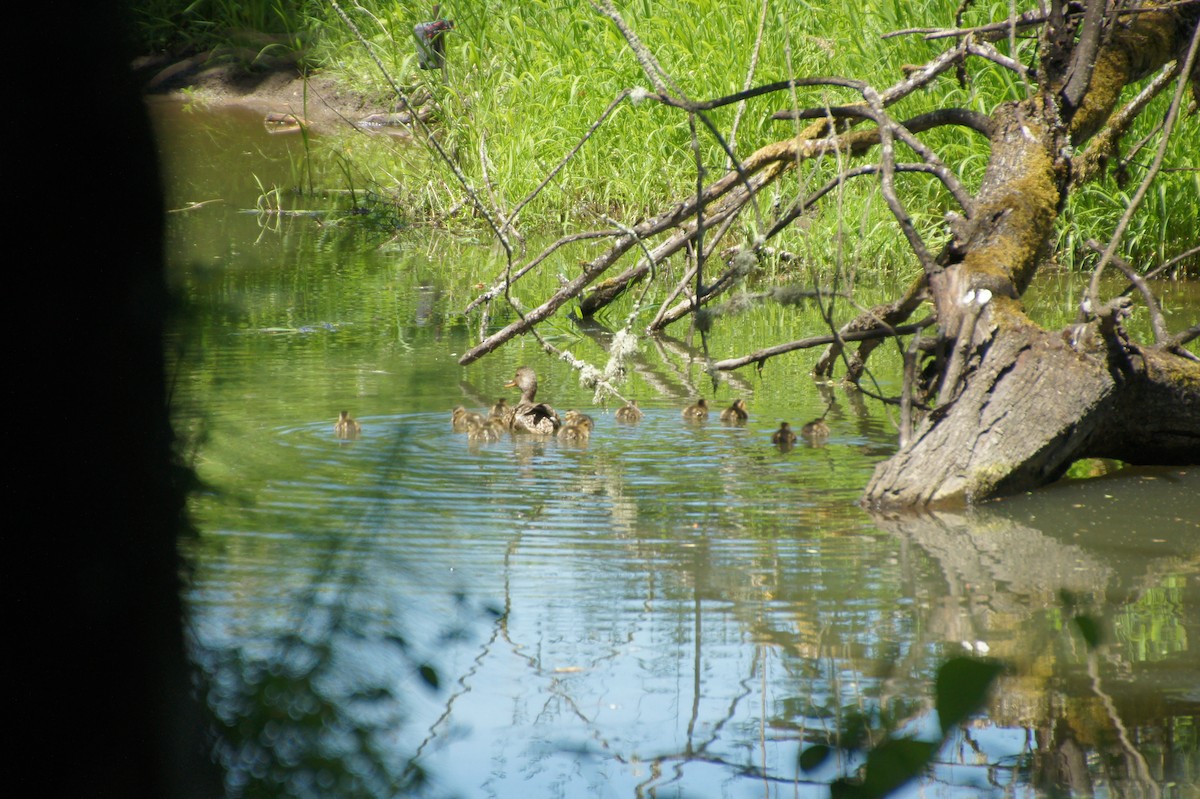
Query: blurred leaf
{"x": 429, "y": 675}
{"x": 889, "y": 766}
{"x": 962, "y": 688}
{"x": 856, "y": 729}
{"x": 812, "y": 757}
{"x": 1089, "y": 628}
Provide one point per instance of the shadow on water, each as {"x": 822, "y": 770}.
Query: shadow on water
{"x": 668, "y": 610}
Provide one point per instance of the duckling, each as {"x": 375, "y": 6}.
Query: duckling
{"x": 628, "y": 414}
{"x": 735, "y": 413}
{"x": 529, "y": 416}
{"x": 499, "y": 410}
{"x": 486, "y": 430}
{"x": 784, "y": 437}
{"x": 577, "y": 428}
{"x": 815, "y": 431}
{"x": 345, "y": 427}
{"x": 576, "y": 417}
{"x": 697, "y": 412}
{"x": 461, "y": 419}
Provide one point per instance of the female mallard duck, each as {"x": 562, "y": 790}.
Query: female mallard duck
{"x": 735, "y": 413}
{"x": 784, "y": 437}
{"x": 345, "y": 427}
{"x": 529, "y": 416}
{"x": 577, "y": 427}
{"x": 461, "y": 419}
{"x": 815, "y": 431}
{"x": 697, "y": 412}
{"x": 630, "y": 413}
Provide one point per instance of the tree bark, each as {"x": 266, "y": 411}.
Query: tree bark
{"x": 1033, "y": 405}
{"x": 1033, "y": 401}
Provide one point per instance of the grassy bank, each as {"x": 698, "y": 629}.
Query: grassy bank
{"x": 525, "y": 81}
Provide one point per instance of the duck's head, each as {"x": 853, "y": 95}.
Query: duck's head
{"x": 526, "y": 380}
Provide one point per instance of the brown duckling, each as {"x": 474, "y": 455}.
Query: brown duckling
{"x": 461, "y": 419}
{"x": 499, "y": 410}
{"x": 486, "y": 430}
{"x": 576, "y": 417}
{"x": 530, "y": 416}
{"x": 346, "y": 427}
{"x": 735, "y": 413}
{"x": 577, "y": 427}
{"x": 630, "y": 413}
{"x": 784, "y": 437}
{"x": 697, "y": 412}
{"x": 815, "y": 431}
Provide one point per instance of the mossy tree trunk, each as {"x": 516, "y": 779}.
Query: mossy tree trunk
{"x": 1023, "y": 403}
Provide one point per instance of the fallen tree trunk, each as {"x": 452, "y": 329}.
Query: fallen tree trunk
{"x": 1033, "y": 401}
{"x": 1037, "y": 401}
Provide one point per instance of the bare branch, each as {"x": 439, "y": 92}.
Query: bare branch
{"x": 427, "y": 136}
{"x": 754, "y": 53}
{"x": 1089, "y": 164}
{"x": 1179, "y": 339}
{"x": 1168, "y": 266}
{"x": 1151, "y": 174}
{"x": 888, "y": 188}
{"x": 650, "y": 66}
{"x": 1157, "y": 324}
{"x": 1029, "y": 18}
{"x": 987, "y": 51}
{"x": 980, "y": 123}
{"x": 1083, "y": 55}
{"x": 876, "y": 333}
{"x": 498, "y": 289}
{"x": 566, "y": 159}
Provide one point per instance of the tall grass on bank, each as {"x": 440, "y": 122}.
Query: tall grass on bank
{"x": 525, "y": 80}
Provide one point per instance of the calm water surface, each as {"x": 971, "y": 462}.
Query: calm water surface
{"x": 666, "y": 611}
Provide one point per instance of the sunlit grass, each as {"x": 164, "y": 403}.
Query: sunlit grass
{"x": 526, "y": 80}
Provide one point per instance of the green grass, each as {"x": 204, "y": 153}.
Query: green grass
{"x": 526, "y": 80}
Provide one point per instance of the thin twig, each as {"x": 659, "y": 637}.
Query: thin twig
{"x": 1151, "y": 174}
{"x": 566, "y": 158}
{"x": 498, "y": 289}
{"x": 1167, "y": 266}
{"x": 759, "y": 356}
{"x": 887, "y": 184}
{"x": 741, "y": 108}
{"x": 1158, "y": 325}
{"x": 427, "y": 135}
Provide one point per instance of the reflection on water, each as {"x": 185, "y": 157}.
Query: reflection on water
{"x": 669, "y": 610}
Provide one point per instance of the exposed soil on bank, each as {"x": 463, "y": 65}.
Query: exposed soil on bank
{"x": 280, "y": 90}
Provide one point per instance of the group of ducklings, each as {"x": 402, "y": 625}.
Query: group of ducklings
{"x": 785, "y": 437}
{"x": 527, "y": 416}
{"x": 531, "y": 416}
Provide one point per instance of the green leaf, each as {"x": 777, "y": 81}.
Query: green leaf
{"x": 1089, "y": 628}
{"x": 962, "y": 688}
{"x": 429, "y": 675}
{"x": 812, "y": 757}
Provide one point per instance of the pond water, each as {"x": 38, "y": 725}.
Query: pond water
{"x": 669, "y": 610}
